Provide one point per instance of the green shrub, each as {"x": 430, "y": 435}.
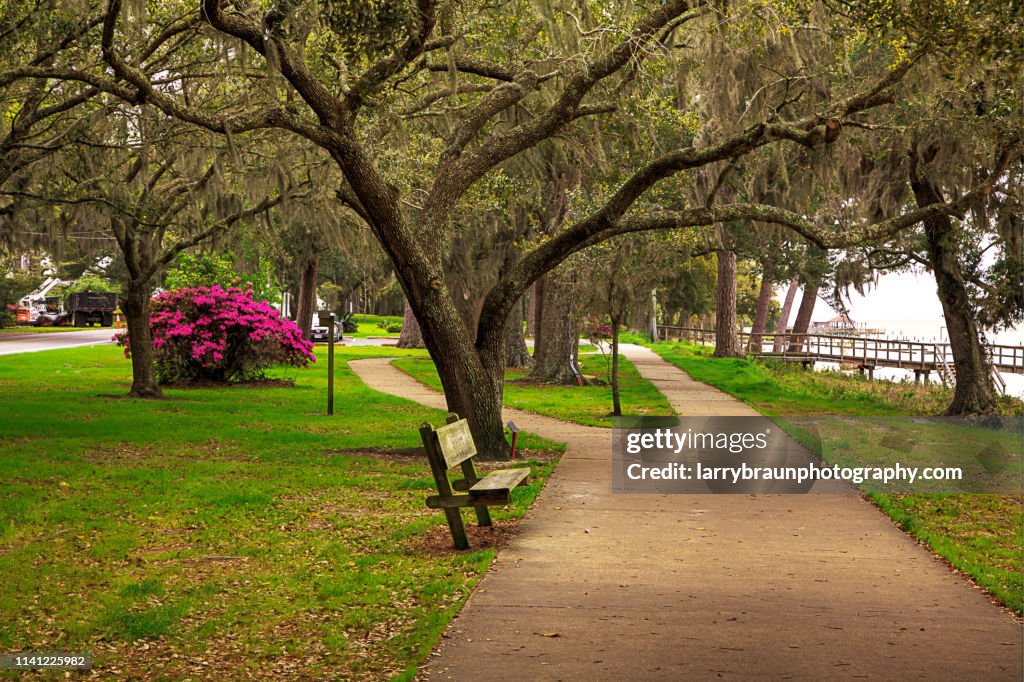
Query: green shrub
{"x": 205, "y": 270}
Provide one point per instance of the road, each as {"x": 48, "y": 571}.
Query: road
{"x": 33, "y": 342}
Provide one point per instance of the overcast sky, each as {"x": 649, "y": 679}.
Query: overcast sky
{"x": 898, "y": 296}
{"x": 906, "y": 298}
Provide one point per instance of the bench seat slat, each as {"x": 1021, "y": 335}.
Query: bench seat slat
{"x": 501, "y": 480}
{"x": 491, "y": 498}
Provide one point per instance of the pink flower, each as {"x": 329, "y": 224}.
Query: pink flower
{"x": 210, "y": 332}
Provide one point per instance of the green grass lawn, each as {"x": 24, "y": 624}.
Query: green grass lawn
{"x": 42, "y": 330}
{"x": 223, "y": 530}
{"x": 978, "y": 534}
{"x": 368, "y": 326}
{"x": 588, "y": 405}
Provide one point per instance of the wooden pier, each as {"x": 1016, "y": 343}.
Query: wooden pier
{"x": 921, "y": 357}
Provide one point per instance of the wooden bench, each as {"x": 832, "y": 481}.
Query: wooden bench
{"x": 450, "y": 446}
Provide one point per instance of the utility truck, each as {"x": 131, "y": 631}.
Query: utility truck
{"x": 83, "y": 309}
{"x": 37, "y": 304}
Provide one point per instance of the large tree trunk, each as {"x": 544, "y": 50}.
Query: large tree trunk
{"x": 411, "y": 337}
{"x": 516, "y": 354}
{"x": 136, "y": 309}
{"x": 557, "y": 340}
{"x": 787, "y": 307}
{"x": 616, "y": 404}
{"x": 803, "y": 316}
{"x": 764, "y": 298}
{"x": 472, "y": 377}
{"x": 975, "y": 393}
{"x": 726, "y": 342}
{"x": 531, "y": 310}
{"x": 307, "y": 295}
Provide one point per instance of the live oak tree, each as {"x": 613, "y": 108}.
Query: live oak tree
{"x": 156, "y": 193}
{"x": 978, "y": 266}
{"x": 958, "y": 124}
{"x": 41, "y": 116}
{"x": 411, "y": 336}
{"x": 556, "y": 293}
{"x": 337, "y": 74}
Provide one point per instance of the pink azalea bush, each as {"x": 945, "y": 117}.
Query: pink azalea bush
{"x": 222, "y": 335}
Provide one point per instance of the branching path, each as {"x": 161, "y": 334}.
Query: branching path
{"x": 602, "y": 586}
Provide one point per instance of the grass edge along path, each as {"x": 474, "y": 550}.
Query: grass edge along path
{"x": 584, "y": 405}
{"x": 980, "y": 536}
{"x": 224, "y": 532}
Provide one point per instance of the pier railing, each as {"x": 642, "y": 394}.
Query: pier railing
{"x": 866, "y": 351}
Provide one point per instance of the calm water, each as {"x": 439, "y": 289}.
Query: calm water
{"x": 935, "y": 330}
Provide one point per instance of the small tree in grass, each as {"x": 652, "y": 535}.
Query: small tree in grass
{"x": 220, "y": 335}
{"x": 621, "y": 273}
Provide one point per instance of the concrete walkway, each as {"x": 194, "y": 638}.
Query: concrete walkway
{"x": 630, "y": 587}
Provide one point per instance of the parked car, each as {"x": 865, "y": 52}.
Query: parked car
{"x": 320, "y": 331}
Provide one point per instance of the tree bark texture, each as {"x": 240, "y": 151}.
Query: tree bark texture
{"x": 473, "y": 378}
{"x": 726, "y": 342}
{"x": 557, "y": 340}
{"x": 787, "y": 306}
{"x": 803, "y": 316}
{"x": 307, "y": 294}
{"x": 764, "y": 298}
{"x": 411, "y": 337}
{"x": 516, "y": 354}
{"x": 531, "y": 310}
{"x": 136, "y": 308}
{"x": 975, "y": 392}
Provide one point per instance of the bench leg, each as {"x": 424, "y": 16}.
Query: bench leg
{"x": 483, "y": 516}
{"x": 458, "y": 530}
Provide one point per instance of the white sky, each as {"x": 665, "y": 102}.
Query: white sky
{"x": 898, "y": 296}
{"x": 905, "y": 305}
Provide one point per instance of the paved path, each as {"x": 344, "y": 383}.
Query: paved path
{"x": 11, "y": 343}
{"x": 631, "y": 587}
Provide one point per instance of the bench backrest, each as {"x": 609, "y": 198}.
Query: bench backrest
{"x": 455, "y": 443}
{"x": 449, "y": 446}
